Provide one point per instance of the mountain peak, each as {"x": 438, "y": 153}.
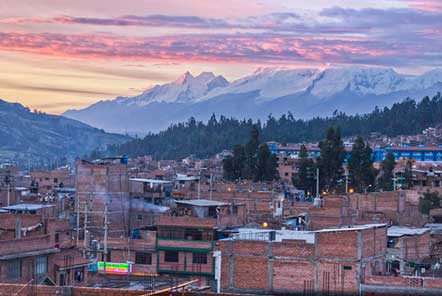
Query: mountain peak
{"x": 184, "y": 78}
{"x": 205, "y": 76}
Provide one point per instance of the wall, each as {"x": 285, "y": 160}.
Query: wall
{"x": 333, "y": 264}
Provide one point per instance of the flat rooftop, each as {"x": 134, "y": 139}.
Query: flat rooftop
{"x": 308, "y": 236}
{"x": 350, "y": 228}
{"x": 264, "y": 234}
{"x": 201, "y": 203}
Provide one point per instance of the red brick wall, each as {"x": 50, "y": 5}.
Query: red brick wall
{"x": 251, "y": 272}
{"x": 341, "y": 244}
{"x": 293, "y": 275}
{"x": 334, "y": 278}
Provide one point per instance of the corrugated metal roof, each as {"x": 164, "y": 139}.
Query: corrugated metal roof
{"x": 202, "y": 202}
{"x": 26, "y": 207}
{"x": 398, "y": 231}
{"x": 152, "y": 181}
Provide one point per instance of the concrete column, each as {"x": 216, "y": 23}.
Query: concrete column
{"x": 231, "y": 263}
{"x": 315, "y": 266}
{"x": 270, "y": 265}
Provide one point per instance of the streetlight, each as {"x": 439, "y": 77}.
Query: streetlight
{"x": 366, "y": 188}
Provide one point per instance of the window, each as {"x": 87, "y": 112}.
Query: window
{"x": 79, "y": 274}
{"x": 193, "y": 234}
{"x": 41, "y": 265}
{"x": 347, "y": 267}
{"x": 199, "y": 258}
{"x": 139, "y": 217}
{"x": 171, "y": 256}
{"x": 14, "y": 269}
{"x": 143, "y": 258}
{"x": 55, "y": 180}
{"x": 57, "y": 237}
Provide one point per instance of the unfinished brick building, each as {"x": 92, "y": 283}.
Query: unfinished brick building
{"x": 329, "y": 261}
{"x": 100, "y": 183}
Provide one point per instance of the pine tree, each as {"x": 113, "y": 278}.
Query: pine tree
{"x": 385, "y": 181}
{"x": 304, "y": 180}
{"x": 266, "y": 165}
{"x": 360, "y": 165}
{"x": 251, "y": 150}
{"x": 408, "y": 174}
{"x": 331, "y": 159}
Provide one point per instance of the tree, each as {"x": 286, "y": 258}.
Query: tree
{"x": 360, "y": 165}
{"x": 331, "y": 159}
{"x": 429, "y": 201}
{"x": 266, "y": 165}
{"x": 304, "y": 179}
{"x": 234, "y": 165}
{"x": 408, "y": 174}
{"x": 251, "y": 150}
{"x": 385, "y": 181}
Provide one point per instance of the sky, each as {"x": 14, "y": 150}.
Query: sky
{"x": 64, "y": 54}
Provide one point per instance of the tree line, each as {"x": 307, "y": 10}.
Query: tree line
{"x": 360, "y": 174}
{"x": 252, "y": 161}
{"x": 206, "y": 139}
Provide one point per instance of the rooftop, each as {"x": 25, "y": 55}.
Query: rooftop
{"x": 26, "y": 207}
{"x": 151, "y": 181}
{"x": 398, "y": 231}
{"x": 350, "y": 228}
{"x": 181, "y": 177}
{"x": 202, "y": 203}
{"x": 263, "y": 234}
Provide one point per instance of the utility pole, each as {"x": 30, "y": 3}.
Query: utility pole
{"x": 199, "y": 184}
{"x": 106, "y": 223}
{"x": 317, "y": 182}
{"x": 77, "y": 209}
{"x": 85, "y": 229}
{"x": 9, "y": 193}
{"x": 211, "y": 177}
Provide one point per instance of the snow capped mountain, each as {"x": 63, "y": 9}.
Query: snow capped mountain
{"x": 270, "y": 82}
{"x": 183, "y": 90}
{"x": 304, "y": 92}
{"x": 357, "y": 79}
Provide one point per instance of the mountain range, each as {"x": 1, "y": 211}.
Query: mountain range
{"x": 27, "y": 136}
{"x": 306, "y": 93}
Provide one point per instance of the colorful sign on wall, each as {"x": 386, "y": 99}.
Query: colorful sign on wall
{"x": 113, "y": 267}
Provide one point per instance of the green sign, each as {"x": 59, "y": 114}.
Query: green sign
{"x": 113, "y": 267}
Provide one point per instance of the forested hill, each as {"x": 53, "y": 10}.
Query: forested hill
{"x": 37, "y": 139}
{"x": 207, "y": 139}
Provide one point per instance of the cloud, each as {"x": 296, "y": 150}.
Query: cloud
{"x": 238, "y": 48}
{"x": 429, "y": 5}
{"x": 342, "y": 35}
{"x": 41, "y": 88}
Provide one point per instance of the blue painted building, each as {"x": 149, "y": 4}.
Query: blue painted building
{"x": 417, "y": 153}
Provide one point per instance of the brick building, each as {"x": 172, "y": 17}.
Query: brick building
{"x": 186, "y": 238}
{"x": 100, "y": 183}
{"x": 32, "y": 243}
{"x": 46, "y": 182}
{"x": 329, "y": 261}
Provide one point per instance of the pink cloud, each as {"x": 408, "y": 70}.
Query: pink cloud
{"x": 428, "y": 5}
{"x": 203, "y": 48}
